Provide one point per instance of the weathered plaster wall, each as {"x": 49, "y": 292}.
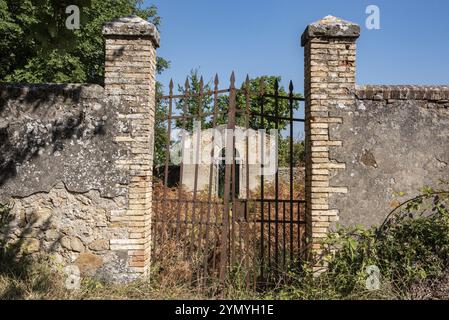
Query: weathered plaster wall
{"x": 395, "y": 139}
{"x": 364, "y": 144}
{"x": 76, "y": 161}
{"x": 65, "y": 130}
{"x": 58, "y": 173}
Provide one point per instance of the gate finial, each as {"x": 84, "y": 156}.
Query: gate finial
{"x": 187, "y": 85}
{"x": 170, "y": 86}
{"x": 232, "y": 80}
{"x": 216, "y": 80}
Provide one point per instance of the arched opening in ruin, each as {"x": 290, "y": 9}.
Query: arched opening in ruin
{"x": 235, "y": 181}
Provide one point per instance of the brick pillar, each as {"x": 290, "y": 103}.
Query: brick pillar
{"x": 329, "y": 53}
{"x": 130, "y": 81}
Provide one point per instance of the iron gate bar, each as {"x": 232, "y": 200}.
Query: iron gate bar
{"x": 283, "y": 234}
{"x": 247, "y": 115}
{"x": 276, "y": 111}
{"x": 194, "y": 94}
{"x": 262, "y": 191}
{"x": 210, "y": 93}
{"x": 211, "y": 166}
{"x": 280, "y": 117}
{"x": 232, "y": 102}
{"x": 291, "y": 168}
{"x": 197, "y": 157}
{"x": 228, "y": 171}
{"x": 269, "y": 234}
{"x": 299, "y": 227}
{"x": 284, "y": 97}
{"x": 181, "y": 170}
{"x": 167, "y": 148}
{"x": 296, "y": 222}
{"x": 280, "y": 200}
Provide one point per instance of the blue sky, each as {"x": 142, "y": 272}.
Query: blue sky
{"x": 261, "y": 37}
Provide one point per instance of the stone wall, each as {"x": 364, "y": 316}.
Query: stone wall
{"x": 65, "y": 130}
{"x": 57, "y": 172}
{"x": 365, "y": 144}
{"x": 76, "y": 161}
{"x": 396, "y": 140}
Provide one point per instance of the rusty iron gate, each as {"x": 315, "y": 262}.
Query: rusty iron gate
{"x": 211, "y": 218}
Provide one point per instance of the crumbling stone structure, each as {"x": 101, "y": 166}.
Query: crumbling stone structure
{"x": 364, "y": 144}
{"x": 76, "y": 161}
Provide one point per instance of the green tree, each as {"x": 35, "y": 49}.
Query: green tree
{"x": 37, "y": 47}
{"x": 194, "y": 103}
{"x": 257, "y": 86}
{"x": 284, "y": 151}
{"x": 191, "y": 105}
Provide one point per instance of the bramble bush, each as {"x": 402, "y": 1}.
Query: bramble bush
{"x": 410, "y": 248}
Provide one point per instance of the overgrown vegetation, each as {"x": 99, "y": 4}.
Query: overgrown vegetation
{"x": 411, "y": 250}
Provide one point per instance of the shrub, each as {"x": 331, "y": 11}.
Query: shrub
{"x": 410, "y": 248}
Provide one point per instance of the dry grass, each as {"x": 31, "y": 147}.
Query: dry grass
{"x": 188, "y": 235}
{"x": 39, "y": 281}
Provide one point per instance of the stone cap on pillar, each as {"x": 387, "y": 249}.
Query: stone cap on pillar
{"x": 132, "y": 26}
{"x": 330, "y": 27}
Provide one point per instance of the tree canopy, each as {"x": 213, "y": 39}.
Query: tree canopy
{"x": 37, "y": 47}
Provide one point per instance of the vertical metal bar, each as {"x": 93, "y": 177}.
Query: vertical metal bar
{"x": 197, "y": 159}
{"x": 299, "y": 227}
{"x": 218, "y": 224}
{"x": 276, "y": 236}
{"x": 283, "y": 234}
{"x": 262, "y": 191}
{"x": 200, "y": 225}
{"x": 167, "y": 150}
{"x": 186, "y": 227}
{"x": 256, "y": 244}
{"x": 269, "y": 237}
{"x": 181, "y": 169}
{"x": 291, "y": 167}
{"x": 211, "y": 174}
{"x": 228, "y": 171}
{"x": 167, "y": 154}
{"x": 233, "y": 201}
{"x": 155, "y": 231}
{"x": 247, "y": 115}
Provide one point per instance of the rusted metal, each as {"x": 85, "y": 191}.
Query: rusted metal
{"x": 211, "y": 167}
{"x": 276, "y": 179}
{"x": 247, "y": 119}
{"x": 291, "y": 168}
{"x": 262, "y": 180}
{"x": 260, "y": 231}
{"x": 229, "y": 161}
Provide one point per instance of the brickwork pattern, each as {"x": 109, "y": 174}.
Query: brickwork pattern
{"x": 130, "y": 71}
{"x": 329, "y": 83}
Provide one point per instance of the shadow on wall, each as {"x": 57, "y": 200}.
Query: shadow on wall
{"x": 40, "y": 116}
